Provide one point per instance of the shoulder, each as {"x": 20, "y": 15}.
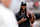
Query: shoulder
{"x": 29, "y": 12}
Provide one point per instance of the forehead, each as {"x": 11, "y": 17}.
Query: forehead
{"x": 22, "y": 5}
{"x": 5, "y": 0}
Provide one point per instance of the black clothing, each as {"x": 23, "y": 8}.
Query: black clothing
{"x": 24, "y": 24}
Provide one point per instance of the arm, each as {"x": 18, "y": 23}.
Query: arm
{"x": 30, "y": 13}
{"x": 32, "y": 16}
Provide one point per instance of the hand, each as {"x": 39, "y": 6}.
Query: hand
{"x": 31, "y": 25}
{"x": 23, "y": 19}
{"x": 32, "y": 15}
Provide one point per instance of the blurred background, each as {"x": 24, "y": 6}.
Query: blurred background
{"x": 32, "y": 5}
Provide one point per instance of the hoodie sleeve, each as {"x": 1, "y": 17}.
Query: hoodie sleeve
{"x": 29, "y": 12}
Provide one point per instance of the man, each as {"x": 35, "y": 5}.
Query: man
{"x": 7, "y": 18}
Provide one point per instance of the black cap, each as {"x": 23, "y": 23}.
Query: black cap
{"x": 23, "y": 4}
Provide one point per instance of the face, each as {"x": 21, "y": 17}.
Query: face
{"x": 0, "y": 1}
{"x": 23, "y": 7}
{"x": 6, "y": 2}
